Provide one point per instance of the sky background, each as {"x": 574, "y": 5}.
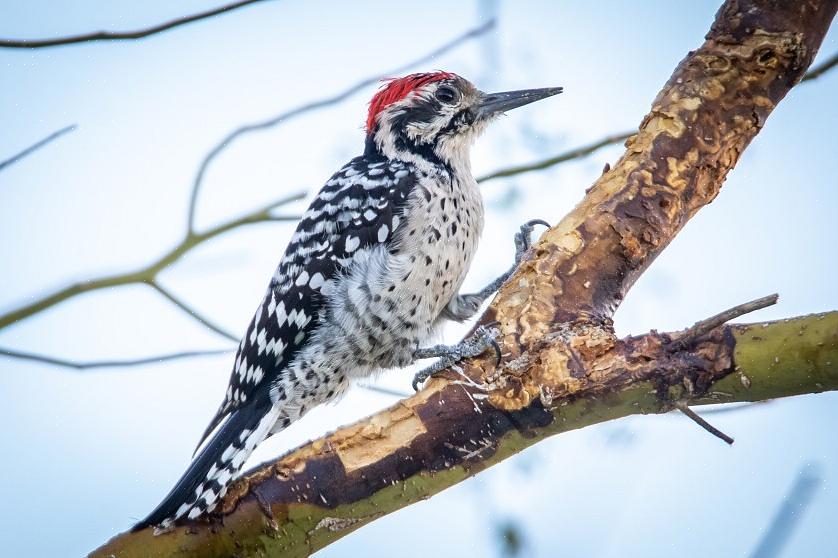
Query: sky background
{"x": 85, "y": 454}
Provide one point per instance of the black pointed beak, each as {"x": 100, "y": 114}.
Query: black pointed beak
{"x": 494, "y": 103}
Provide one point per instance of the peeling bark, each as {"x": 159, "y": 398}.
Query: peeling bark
{"x": 563, "y": 366}
{"x": 328, "y": 488}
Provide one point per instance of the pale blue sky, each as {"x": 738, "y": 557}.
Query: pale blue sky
{"x": 88, "y": 453}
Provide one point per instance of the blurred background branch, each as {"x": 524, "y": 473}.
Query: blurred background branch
{"x": 821, "y": 68}
{"x": 124, "y": 35}
{"x": 576, "y": 153}
{"x": 789, "y": 513}
{"x": 36, "y": 146}
{"x": 89, "y": 365}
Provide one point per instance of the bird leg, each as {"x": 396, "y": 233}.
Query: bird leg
{"x": 476, "y": 344}
{"x": 463, "y": 307}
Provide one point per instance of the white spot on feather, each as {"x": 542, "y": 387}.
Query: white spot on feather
{"x": 316, "y": 281}
{"x": 352, "y": 243}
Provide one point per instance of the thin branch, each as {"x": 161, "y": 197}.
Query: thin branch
{"x": 36, "y": 146}
{"x": 385, "y": 390}
{"x": 194, "y": 314}
{"x": 88, "y": 365}
{"x": 576, "y": 153}
{"x": 733, "y": 408}
{"x": 692, "y": 415}
{"x": 788, "y": 515}
{"x": 128, "y": 363}
{"x": 821, "y": 68}
{"x": 699, "y": 329}
{"x": 315, "y": 105}
{"x": 149, "y": 272}
{"x": 123, "y": 35}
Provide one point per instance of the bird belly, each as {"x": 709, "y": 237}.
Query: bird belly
{"x": 388, "y": 301}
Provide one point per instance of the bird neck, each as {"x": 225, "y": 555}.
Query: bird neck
{"x": 387, "y": 143}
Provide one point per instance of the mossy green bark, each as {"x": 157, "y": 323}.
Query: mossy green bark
{"x": 780, "y": 359}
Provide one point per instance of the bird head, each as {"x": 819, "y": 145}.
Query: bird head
{"x": 437, "y": 114}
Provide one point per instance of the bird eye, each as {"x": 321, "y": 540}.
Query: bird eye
{"x": 447, "y": 94}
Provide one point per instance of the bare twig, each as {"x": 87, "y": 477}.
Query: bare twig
{"x": 121, "y": 363}
{"x": 734, "y": 408}
{"x": 156, "y": 359}
{"x": 576, "y": 153}
{"x": 821, "y": 68}
{"x": 385, "y": 390}
{"x": 192, "y": 312}
{"x": 36, "y": 146}
{"x": 123, "y": 35}
{"x": 315, "y": 105}
{"x": 692, "y": 415}
{"x": 787, "y": 517}
{"x": 699, "y": 329}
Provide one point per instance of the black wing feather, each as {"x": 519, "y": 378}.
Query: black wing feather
{"x": 346, "y": 216}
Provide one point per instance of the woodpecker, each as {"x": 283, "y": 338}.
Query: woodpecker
{"x": 373, "y": 268}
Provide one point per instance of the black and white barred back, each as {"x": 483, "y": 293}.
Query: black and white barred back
{"x": 382, "y": 249}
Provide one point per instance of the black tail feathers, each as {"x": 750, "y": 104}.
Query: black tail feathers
{"x": 205, "y": 481}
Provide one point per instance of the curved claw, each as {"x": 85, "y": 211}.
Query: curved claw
{"x": 533, "y": 222}
{"x": 522, "y": 237}
{"x": 496, "y": 347}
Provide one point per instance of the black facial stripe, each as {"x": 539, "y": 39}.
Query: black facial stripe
{"x": 424, "y": 150}
{"x": 463, "y": 118}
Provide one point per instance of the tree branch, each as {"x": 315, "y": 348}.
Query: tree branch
{"x": 699, "y": 329}
{"x": 149, "y": 272}
{"x": 821, "y": 68}
{"x": 585, "y": 150}
{"x": 123, "y": 35}
{"x": 192, "y": 312}
{"x": 284, "y": 117}
{"x": 788, "y": 515}
{"x": 576, "y": 153}
{"x": 443, "y": 435}
{"x": 117, "y": 363}
{"x": 562, "y": 366}
{"x": 36, "y": 146}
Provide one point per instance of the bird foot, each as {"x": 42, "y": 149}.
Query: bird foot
{"x": 476, "y": 344}
{"x": 523, "y": 240}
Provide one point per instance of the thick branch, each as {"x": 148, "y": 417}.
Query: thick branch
{"x": 716, "y": 101}
{"x": 563, "y": 367}
{"x": 122, "y": 35}
{"x": 443, "y": 435}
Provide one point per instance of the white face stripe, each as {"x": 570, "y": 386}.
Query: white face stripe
{"x": 451, "y": 148}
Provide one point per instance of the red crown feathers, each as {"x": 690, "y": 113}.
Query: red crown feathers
{"x": 396, "y": 89}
